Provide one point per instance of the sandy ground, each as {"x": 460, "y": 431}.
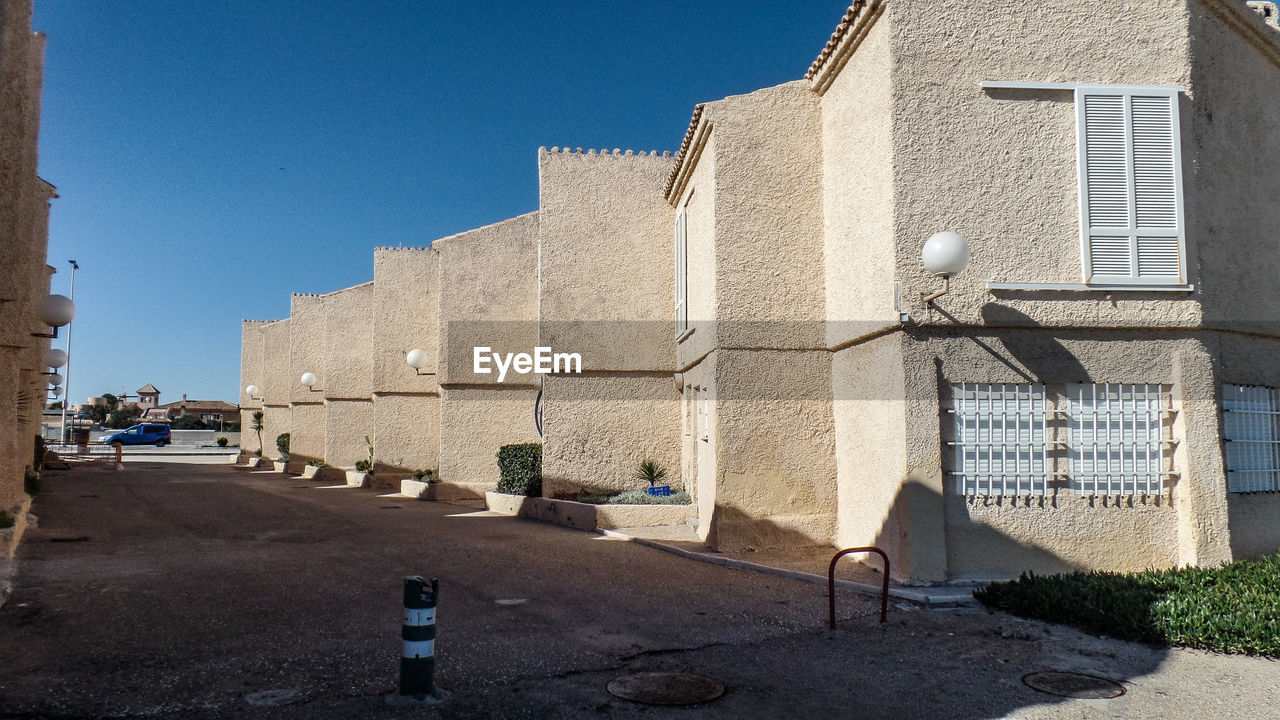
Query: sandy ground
{"x": 202, "y": 591}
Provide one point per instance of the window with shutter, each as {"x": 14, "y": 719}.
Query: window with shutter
{"x": 682, "y": 286}
{"x": 1130, "y": 186}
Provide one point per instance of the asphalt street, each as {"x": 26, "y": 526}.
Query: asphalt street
{"x": 202, "y": 591}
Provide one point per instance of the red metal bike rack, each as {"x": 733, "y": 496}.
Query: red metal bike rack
{"x": 831, "y": 583}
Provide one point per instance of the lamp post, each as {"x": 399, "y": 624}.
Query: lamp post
{"x": 67, "y": 386}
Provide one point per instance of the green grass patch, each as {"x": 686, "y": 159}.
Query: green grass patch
{"x": 1234, "y": 608}
{"x": 636, "y": 497}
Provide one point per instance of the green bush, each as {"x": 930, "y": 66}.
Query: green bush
{"x": 6, "y": 520}
{"x": 37, "y": 460}
{"x": 282, "y": 444}
{"x": 188, "y": 422}
{"x": 1234, "y": 608}
{"x": 520, "y": 469}
{"x": 316, "y": 463}
{"x": 222, "y": 442}
{"x": 31, "y": 482}
{"x": 429, "y": 476}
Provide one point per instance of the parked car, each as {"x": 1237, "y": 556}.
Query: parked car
{"x": 143, "y": 434}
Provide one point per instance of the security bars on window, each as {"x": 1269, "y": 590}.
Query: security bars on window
{"x": 1001, "y": 439}
{"x": 1251, "y": 428}
{"x": 1115, "y": 440}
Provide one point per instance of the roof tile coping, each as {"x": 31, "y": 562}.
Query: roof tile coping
{"x": 683, "y": 152}
{"x": 385, "y": 248}
{"x": 331, "y": 292}
{"x": 1251, "y": 23}
{"x": 844, "y": 42}
{"x": 1269, "y": 10}
{"x": 617, "y": 152}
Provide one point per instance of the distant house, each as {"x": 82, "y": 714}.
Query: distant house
{"x": 209, "y": 411}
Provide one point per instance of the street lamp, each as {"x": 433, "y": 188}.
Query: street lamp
{"x": 417, "y": 359}
{"x": 252, "y": 391}
{"x": 944, "y": 254}
{"x": 309, "y": 380}
{"x": 58, "y": 311}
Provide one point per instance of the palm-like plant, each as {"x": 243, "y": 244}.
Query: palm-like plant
{"x": 651, "y": 471}
{"x": 257, "y": 427}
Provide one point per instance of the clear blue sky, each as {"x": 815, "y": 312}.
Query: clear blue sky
{"x": 213, "y": 157}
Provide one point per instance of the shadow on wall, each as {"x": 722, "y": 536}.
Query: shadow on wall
{"x": 732, "y": 530}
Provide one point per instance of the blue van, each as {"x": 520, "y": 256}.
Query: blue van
{"x": 145, "y": 434}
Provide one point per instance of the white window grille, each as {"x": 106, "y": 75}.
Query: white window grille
{"x": 1116, "y": 438}
{"x": 1001, "y": 439}
{"x": 682, "y": 279}
{"x": 1130, "y": 170}
{"x": 1251, "y": 428}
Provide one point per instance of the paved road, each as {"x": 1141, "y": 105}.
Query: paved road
{"x": 205, "y": 592}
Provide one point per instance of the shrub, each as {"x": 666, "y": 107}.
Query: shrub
{"x": 637, "y": 497}
{"x": 282, "y": 444}
{"x": 188, "y": 422}
{"x": 222, "y": 442}
{"x": 1234, "y": 608}
{"x": 430, "y": 476}
{"x": 316, "y": 463}
{"x": 364, "y": 466}
{"x": 520, "y": 469}
{"x": 651, "y": 471}
{"x": 31, "y": 482}
{"x": 37, "y": 461}
{"x": 6, "y": 520}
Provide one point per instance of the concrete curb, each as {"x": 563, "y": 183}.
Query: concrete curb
{"x": 928, "y": 597}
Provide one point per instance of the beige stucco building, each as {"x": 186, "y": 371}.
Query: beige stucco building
{"x": 1096, "y": 390}
{"x": 24, "y": 227}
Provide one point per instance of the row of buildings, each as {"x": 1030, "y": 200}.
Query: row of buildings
{"x": 1098, "y": 389}
{"x": 24, "y": 235}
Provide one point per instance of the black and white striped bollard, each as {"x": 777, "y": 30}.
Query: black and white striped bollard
{"x": 418, "y": 658}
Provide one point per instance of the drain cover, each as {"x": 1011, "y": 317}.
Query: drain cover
{"x": 654, "y": 688}
{"x": 388, "y": 507}
{"x": 1073, "y": 685}
{"x": 79, "y": 538}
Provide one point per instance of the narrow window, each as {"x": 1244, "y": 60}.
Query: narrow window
{"x": 682, "y": 281}
{"x": 1130, "y": 171}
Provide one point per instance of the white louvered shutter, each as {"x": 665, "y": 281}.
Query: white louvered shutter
{"x": 1130, "y": 187}
{"x": 682, "y": 287}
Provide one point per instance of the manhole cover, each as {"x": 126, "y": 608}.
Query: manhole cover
{"x": 81, "y": 538}
{"x": 389, "y": 507}
{"x": 1073, "y": 685}
{"x": 271, "y": 698}
{"x": 655, "y": 688}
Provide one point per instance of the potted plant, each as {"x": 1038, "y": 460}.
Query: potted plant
{"x": 312, "y": 468}
{"x": 256, "y": 426}
{"x": 282, "y": 444}
{"x": 364, "y": 468}
{"x": 653, "y": 473}
{"x": 423, "y": 485}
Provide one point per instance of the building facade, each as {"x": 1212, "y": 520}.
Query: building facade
{"x": 24, "y": 219}
{"x": 1096, "y": 390}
